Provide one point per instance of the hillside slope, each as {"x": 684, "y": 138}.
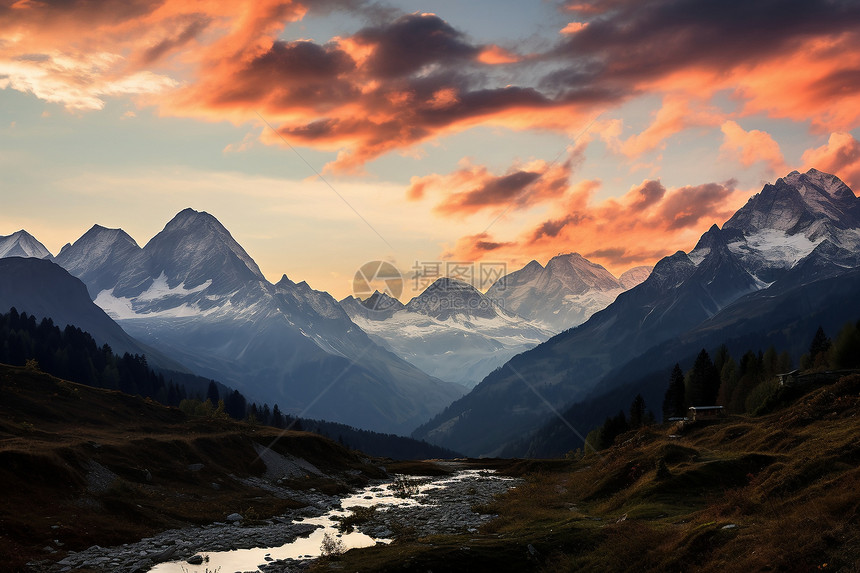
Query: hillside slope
{"x": 81, "y": 466}
{"x": 778, "y": 492}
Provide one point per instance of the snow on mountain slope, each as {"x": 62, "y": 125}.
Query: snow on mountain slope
{"x": 451, "y": 330}
{"x": 797, "y": 231}
{"x": 193, "y": 293}
{"x": 787, "y": 220}
{"x": 635, "y": 276}
{"x": 563, "y": 294}
{"x": 22, "y": 244}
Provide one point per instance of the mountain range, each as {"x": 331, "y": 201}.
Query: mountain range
{"x": 797, "y": 235}
{"x": 451, "y": 330}
{"x": 454, "y": 332}
{"x": 564, "y": 293}
{"x": 193, "y": 294}
{"x": 192, "y": 299}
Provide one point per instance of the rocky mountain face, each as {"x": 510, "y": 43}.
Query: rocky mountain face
{"x": 800, "y": 230}
{"x": 451, "y": 331}
{"x": 564, "y": 293}
{"x": 98, "y": 257}
{"x": 22, "y": 244}
{"x": 193, "y": 293}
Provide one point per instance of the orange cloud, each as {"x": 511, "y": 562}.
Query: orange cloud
{"x": 574, "y": 27}
{"x": 675, "y": 115}
{"x": 752, "y": 146}
{"x": 646, "y": 223}
{"x": 408, "y": 79}
{"x": 840, "y": 156}
{"x": 494, "y": 54}
{"x": 474, "y": 248}
{"x": 472, "y": 188}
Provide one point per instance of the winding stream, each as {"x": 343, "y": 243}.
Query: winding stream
{"x": 432, "y": 493}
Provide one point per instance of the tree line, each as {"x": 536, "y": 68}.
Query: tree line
{"x": 72, "y": 354}
{"x": 741, "y": 386}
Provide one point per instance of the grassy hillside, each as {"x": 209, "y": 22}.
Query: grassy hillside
{"x": 778, "y": 492}
{"x": 81, "y": 466}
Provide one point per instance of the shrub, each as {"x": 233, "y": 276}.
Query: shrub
{"x": 331, "y": 546}
{"x": 404, "y": 487}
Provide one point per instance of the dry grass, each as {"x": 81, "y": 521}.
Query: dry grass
{"x": 51, "y": 431}
{"x": 779, "y": 492}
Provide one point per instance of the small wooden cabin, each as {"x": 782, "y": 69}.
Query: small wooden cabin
{"x": 698, "y": 413}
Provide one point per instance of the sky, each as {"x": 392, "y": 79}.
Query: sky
{"x": 437, "y": 135}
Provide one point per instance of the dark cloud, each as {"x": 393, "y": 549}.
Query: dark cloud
{"x": 490, "y": 245}
{"x": 624, "y": 256}
{"x": 295, "y": 74}
{"x": 411, "y": 42}
{"x": 552, "y": 227}
{"x": 190, "y": 31}
{"x": 647, "y": 194}
{"x": 498, "y": 190}
{"x": 628, "y": 41}
{"x": 684, "y": 207}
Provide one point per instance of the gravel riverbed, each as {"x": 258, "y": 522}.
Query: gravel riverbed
{"x": 442, "y": 505}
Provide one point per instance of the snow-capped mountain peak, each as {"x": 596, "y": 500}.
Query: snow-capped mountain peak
{"x": 563, "y": 294}
{"x": 193, "y": 248}
{"x": 22, "y": 244}
{"x": 448, "y": 297}
{"x": 451, "y": 330}
{"x": 635, "y": 276}
{"x": 203, "y": 232}
{"x": 579, "y": 275}
{"x": 787, "y": 220}
{"x": 98, "y": 257}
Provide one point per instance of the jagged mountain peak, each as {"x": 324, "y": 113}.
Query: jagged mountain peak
{"x": 635, "y": 276}
{"x": 796, "y": 204}
{"x": 448, "y": 297}
{"x": 819, "y": 181}
{"x": 193, "y": 249}
{"x": 22, "y": 244}
{"x": 98, "y": 257}
{"x": 381, "y": 301}
{"x": 579, "y": 274}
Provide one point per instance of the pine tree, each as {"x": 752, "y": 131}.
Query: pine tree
{"x": 277, "y": 417}
{"x": 845, "y": 351}
{"x": 674, "y": 400}
{"x": 703, "y": 385}
{"x": 637, "y": 412}
{"x": 212, "y": 393}
{"x": 818, "y": 348}
{"x": 235, "y": 405}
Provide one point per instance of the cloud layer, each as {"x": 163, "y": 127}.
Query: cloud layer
{"x": 402, "y": 80}
{"x": 407, "y": 78}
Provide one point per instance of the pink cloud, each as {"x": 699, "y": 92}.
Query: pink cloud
{"x": 749, "y": 147}
{"x": 840, "y": 156}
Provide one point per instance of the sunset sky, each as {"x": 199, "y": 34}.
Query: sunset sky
{"x": 488, "y": 130}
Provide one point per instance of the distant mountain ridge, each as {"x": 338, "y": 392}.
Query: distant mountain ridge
{"x": 451, "y": 330}
{"x": 564, "y": 293}
{"x": 800, "y": 230}
{"x": 22, "y": 244}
